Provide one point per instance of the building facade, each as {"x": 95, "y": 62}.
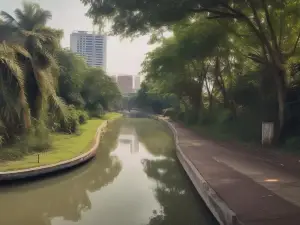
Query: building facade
{"x": 91, "y": 46}
{"x": 137, "y": 83}
{"x": 125, "y": 84}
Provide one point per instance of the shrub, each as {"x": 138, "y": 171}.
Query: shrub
{"x": 96, "y": 111}
{"x": 83, "y": 116}
{"x": 293, "y": 143}
{"x": 1, "y": 140}
{"x": 11, "y": 154}
{"x": 38, "y": 139}
{"x": 71, "y": 123}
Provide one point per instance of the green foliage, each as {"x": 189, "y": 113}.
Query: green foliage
{"x": 204, "y": 59}
{"x": 293, "y": 143}
{"x": 38, "y": 139}
{"x": 28, "y": 70}
{"x": 64, "y": 147}
{"x": 71, "y": 78}
{"x": 96, "y": 111}
{"x": 170, "y": 112}
{"x": 43, "y": 87}
{"x": 70, "y": 124}
{"x": 10, "y": 154}
{"x": 83, "y": 116}
{"x": 99, "y": 89}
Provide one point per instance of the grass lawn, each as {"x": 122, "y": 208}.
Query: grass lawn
{"x": 64, "y": 146}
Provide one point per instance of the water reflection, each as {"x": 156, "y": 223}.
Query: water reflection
{"x": 64, "y": 196}
{"x": 129, "y": 136}
{"x": 134, "y": 180}
{"x": 179, "y": 204}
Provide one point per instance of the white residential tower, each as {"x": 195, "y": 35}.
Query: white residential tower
{"x": 91, "y": 46}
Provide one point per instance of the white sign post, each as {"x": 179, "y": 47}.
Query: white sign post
{"x": 267, "y": 133}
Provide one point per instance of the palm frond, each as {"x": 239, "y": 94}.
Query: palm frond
{"x": 59, "y": 106}
{"x": 8, "y": 58}
{"x": 8, "y": 18}
{"x": 14, "y": 103}
{"x": 32, "y": 16}
{"x": 42, "y": 16}
{"x": 33, "y": 34}
{"x": 20, "y": 50}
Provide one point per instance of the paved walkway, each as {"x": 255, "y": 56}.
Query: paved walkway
{"x": 258, "y": 192}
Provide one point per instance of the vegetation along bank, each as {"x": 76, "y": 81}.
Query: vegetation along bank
{"x": 51, "y": 101}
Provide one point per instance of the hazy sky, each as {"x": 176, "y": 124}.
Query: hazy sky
{"x": 122, "y": 56}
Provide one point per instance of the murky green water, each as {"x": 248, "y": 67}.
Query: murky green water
{"x": 134, "y": 180}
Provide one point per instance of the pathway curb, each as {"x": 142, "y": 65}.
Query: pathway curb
{"x": 219, "y": 208}
{"x": 47, "y": 169}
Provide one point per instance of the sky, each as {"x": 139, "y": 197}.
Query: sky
{"x": 123, "y": 56}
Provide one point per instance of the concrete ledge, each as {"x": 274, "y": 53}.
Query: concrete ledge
{"x": 219, "y": 208}
{"x": 47, "y": 169}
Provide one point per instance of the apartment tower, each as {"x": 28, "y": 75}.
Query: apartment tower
{"x": 91, "y": 46}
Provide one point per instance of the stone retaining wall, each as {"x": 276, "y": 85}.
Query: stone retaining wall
{"x": 219, "y": 208}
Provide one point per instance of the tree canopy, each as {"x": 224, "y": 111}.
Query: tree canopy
{"x": 215, "y": 44}
{"x": 43, "y": 87}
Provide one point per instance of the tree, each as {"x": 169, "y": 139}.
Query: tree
{"x": 273, "y": 24}
{"x": 40, "y": 68}
{"x": 99, "y": 90}
{"x": 13, "y": 99}
{"x": 72, "y": 69}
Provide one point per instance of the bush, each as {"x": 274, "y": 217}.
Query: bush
{"x": 293, "y": 143}
{"x": 83, "y": 116}
{"x": 1, "y": 140}
{"x": 11, "y": 154}
{"x": 71, "y": 123}
{"x": 96, "y": 111}
{"x": 38, "y": 139}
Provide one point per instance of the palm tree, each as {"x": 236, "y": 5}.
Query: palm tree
{"x": 13, "y": 101}
{"x": 28, "y": 29}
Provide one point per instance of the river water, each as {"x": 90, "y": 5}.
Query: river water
{"x": 134, "y": 180}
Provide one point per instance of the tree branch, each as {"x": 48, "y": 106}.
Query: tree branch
{"x": 218, "y": 13}
{"x": 239, "y": 14}
{"x": 250, "y": 24}
{"x": 256, "y": 58}
{"x": 276, "y": 60}
{"x": 272, "y": 32}
{"x": 293, "y": 50}
{"x": 281, "y": 29}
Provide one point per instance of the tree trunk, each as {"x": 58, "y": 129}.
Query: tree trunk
{"x": 210, "y": 96}
{"x": 281, "y": 98}
{"x": 26, "y": 110}
{"x": 220, "y": 83}
{"x": 38, "y": 106}
{"x": 26, "y": 119}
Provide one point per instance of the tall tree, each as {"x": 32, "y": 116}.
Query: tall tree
{"x": 72, "y": 69}
{"x": 273, "y": 23}
{"x": 40, "y": 69}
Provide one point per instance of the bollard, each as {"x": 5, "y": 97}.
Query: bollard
{"x": 38, "y": 158}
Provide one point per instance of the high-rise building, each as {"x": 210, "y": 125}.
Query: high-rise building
{"x": 114, "y": 78}
{"x": 137, "y": 83}
{"x": 125, "y": 83}
{"x": 91, "y": 46}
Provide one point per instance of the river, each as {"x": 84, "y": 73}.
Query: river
{"x": 135, "y": 179}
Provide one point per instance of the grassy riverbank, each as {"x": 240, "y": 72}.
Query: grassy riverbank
{"x": 64, "y": 146}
